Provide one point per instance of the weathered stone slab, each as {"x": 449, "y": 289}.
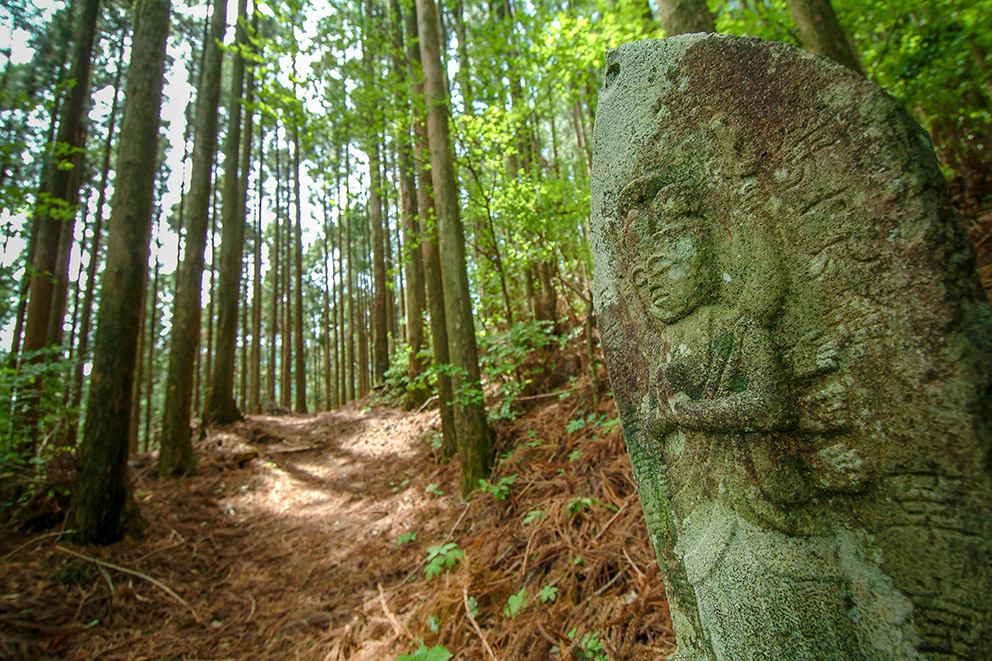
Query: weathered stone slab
{"x": 801, "y": 354}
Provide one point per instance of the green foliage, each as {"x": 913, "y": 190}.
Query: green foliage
{"x": 501, "y": 489}
{"x": 473, "y": 606}
{"x": 423, "y": 653}
{"x": 406, "y": 537}
{"x": 533, "y": 515}
{"x": 38, "y": 379}
{"x": 515, "y": 603}
{"x": 548, "y": 593}
{"x": 433, "y": 489}
{"x": 575, "y": 425}
{"x": 78, "y": 572}
{"x": 589, "y": 647}
{"x": 581, "y": 504}
{"x": 441, "y": 557}
{"x": 504, "y": 353}
{"x": 433, "y": 623}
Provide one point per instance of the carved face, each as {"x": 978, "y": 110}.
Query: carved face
{"x": 672, "y": 277}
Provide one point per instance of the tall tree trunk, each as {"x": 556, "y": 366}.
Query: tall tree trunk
{"x": 428, "y": 239}
{"x": 102, "y": 504}
{"x": 242, "y": 207}
{"x": 474, "y": 441}
{"x": 412, "y": 259}
{"x": 821, "y": 33}
{"x": 176, "y": 456}
{"x": 204, "y": 363}
{"x": 221, "y": 408}
{"x": 464, "y": 64}
{"x": 379, "y": 302}
{"x": 341, "y": 335}
{"x": 329, "y": 398}
{"x": 276, "y": 291}
{"x": 60, "y": 281}
{"x": 286, "y": 385}
{"x": 245, "y": 332}
{"x": 685, "y": 16}
{"x": 139, "y": 364}
{"x": 152, "y": 336}
{"x": 255, "y": 387}
{"x": 60, "y": 188}
{"x": 352, "y": 394}
{"x": 22, "y": 299}
{"x": 301, "y": 374}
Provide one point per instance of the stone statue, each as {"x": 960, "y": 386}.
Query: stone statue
{"x": 800, "y": 352}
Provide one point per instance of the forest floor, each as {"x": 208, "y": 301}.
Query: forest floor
{"x": 308, "y": 537}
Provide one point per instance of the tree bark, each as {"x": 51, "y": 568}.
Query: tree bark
{"x": 176, "y": 456}
{"x": 301, "y": 373}
{"x": 60, "y": 187}
{"x": 152, "y": 335}
{"x": 474, "y": 441}
{"x": 428, "y": 238}
{"x": 685, "y": 16}
{"x": 102, "y": 505}
{"x": 60, "y": 284}
{"x": 352, "y": 360}
{"x": 413, "y": 261}
{"x": 821, "y": 33}
{"x": 221, "y": 408}
{"x": 276, "y": 291}
{"x": 379, "y": 301}
{"x": 286, "y": 356}
{"x": 255, "y": 387}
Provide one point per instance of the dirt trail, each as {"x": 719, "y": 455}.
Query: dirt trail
{"x": 271, "y": 552}
{"x": 285, "y": 546}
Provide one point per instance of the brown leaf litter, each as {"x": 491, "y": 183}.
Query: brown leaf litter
{"x": 285, "y": 545}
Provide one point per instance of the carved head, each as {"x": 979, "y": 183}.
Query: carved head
{"x": 670, "y": 258}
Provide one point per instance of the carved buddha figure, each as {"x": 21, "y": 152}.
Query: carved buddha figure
{"x": 717, "y": 408}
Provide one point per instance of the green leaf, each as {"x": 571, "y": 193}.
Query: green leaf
{"x": 423, "y": 653}
{"x": 533, "y": 515}
{"x": 515, "y": 603}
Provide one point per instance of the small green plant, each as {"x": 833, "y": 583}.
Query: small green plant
{"x": 590, "y": 647}
{"x": 435, "y": 439}
{"x": 423, "y": 653}
{"x": 394, "y": 487}
{"x": 501, "y": 489}
{"x": 473, "y": 606}
{"x": 533, "y": 515}
{"x": 581, "y": 504}
{"x": 574, "y": 455}
{"x": 79, "y": 571}
{"x": 534, "y": 441}
{"x": 548, "y": 593}
{"x": 433, "y": 489}
{"x": 515, "y": 603}
{"x": 433, "y": 623}
{"x": 575, "y": 425}
{"x": 407, "y": 537}
{"x": 504, "y": 355}
{"x": 441, "y": 557}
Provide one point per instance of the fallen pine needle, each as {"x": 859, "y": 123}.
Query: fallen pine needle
{"x": 109, "y": 565}
{"x": 398, "y": 626}
{"x": 57, "y": 533}
{"x": 475, "y": 625}
{"x": 443, "y": 541}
